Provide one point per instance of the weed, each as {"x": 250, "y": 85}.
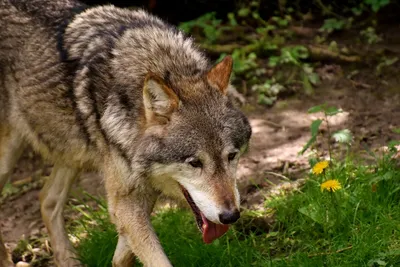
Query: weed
{"x": 334, "y": 24}
{"x": 343, "y": 136}
{"x": 385, "y": 62}
{"x": 208, "y": 26}
{"x": 376, "y": 5}
{"x": 370, "y": 35}
{"x": 346, "y": 213}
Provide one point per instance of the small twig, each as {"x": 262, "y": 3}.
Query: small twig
{"x": 316, "y": 52}
{"x": 274, "y": 124}
{"x": 360, "y": 84}
{"x": 330, "y": 253}
{"x": 279, "y": 175}
{"x": 323, "y": 53}
{"x": 23, "y": 181}
{"x": 327, "y": 10}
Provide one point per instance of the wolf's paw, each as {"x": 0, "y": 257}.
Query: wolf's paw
{"x": 67, "y": 260}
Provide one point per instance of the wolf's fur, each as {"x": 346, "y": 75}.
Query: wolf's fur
{"x": 121, "y": 92}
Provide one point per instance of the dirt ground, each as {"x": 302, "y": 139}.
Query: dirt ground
{"x": 371, "y": 110}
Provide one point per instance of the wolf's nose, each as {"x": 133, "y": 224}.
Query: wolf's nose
{"x": 228, "y": 217}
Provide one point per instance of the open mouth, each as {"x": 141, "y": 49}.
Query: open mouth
{"x": 209, "y": 230}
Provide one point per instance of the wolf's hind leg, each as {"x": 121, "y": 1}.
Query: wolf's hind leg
{"x": 53, "y": 198}
{"x": 123, "y": 256}
{"x": 11, "y": 147}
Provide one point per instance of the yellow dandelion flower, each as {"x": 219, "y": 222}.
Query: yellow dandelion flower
{"x": 320, "y": 167}
{"x": 331, "y": 185}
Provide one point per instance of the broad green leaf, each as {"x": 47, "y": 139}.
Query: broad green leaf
{"x": 314, "y": 78}
{"x": 232, "y": 19}
{"x": 243, "y": 12}
{"x": 376, "y": 5}
{"x": 314, "y": 132}
{"x": 315, "y": 127}
{"x": 272, "y": 234}
{"x": 316, "y": 109}
{"x": 313, "y": 213}
{"x": 331, "y": 111}
{"x": 312, "y": 161}
{"x": 309, "y": 143}
{"x": 343, "y": 136}
{"x": 381, "y": 262}
{"x": 376, "y": 262}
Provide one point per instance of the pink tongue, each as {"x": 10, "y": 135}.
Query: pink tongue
{"x": 212, "y": 231}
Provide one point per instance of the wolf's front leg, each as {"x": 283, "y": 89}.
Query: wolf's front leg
{"x": 131, "y": 214}
{"x": 53, "y": 198}
{"x": 123, "y": 256}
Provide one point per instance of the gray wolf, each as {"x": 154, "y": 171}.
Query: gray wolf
{"x": 123, "y": 93}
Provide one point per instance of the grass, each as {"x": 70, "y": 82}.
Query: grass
{"x": 358, "y": 225}
{"x": 181, "y": 240}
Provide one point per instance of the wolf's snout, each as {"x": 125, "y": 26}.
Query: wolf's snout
{"x": 228, "y": 217}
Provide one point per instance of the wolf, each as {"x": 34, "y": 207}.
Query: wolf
{"x": 121, "y": 92}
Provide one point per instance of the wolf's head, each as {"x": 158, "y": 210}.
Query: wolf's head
{"x": 193, "y": 141}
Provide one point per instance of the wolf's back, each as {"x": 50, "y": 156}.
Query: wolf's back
{"x": 19, "y": 19}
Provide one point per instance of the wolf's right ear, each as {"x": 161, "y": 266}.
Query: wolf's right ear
{"x": 159, "y": 100}
{"x": 219, "y": 74}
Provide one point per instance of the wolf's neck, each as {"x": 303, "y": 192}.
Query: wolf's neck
{"x": 162, "y": 51}
{"x": 139, "y": 43}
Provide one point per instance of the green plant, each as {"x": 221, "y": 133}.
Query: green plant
{"x": 283, "y": 21}
{"x": 243, "y": 63}
{"x": 357, "y": 225}
{"x": 369, "y": 34}
{"x": 208, "y": 25}
{"x": 267, "y": 92}
{"x": 342, "y": 136}
{"x": 289, "y": 55}
{"x": 96, "y": 247}
{"x": 345, "y": 214}
{"x": 293, "y": 56}
{"x": 250, "y": 11}
{"x": 334, "y": 24}
{"x": 376, "y": 5}
{"x": 385, "y": 62}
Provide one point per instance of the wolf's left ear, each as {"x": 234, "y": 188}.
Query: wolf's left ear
{"x": 159, "y": 100}
{"x": 219, "y": 74}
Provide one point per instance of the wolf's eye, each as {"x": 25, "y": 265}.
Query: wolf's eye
{"x": 232, "y": 156}
{"x": 196, "y": 163}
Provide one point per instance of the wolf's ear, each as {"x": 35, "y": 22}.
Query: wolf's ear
{"x": 219, "y": 74}
{"x": 159, "y": 100}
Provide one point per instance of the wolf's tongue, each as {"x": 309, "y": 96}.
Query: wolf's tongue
{"x": 212, "y": 231}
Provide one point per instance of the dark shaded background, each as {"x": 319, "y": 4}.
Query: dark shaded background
{"x": 175, "y": 11}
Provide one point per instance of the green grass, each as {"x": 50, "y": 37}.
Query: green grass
{"x": 358, "y": 225}
{"x": 181, "y": 240}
